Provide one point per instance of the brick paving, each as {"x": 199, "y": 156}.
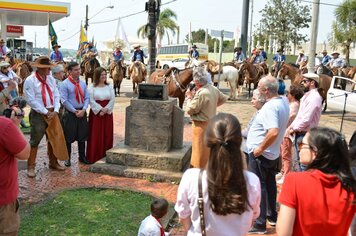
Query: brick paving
{"x": 48, "y": 181}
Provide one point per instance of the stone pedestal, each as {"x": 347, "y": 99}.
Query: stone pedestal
{"x": 153, "y": 147}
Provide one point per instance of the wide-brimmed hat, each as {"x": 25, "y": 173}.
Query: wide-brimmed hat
{"x": 2, "y": 41}
{"x": 194, "y": 46}
{"x": 43, "y": 62}
{"x": 117, "y": 46}
{"x": 324, "y": 51}
{"x": 56, "y": 45}
{"x": 280, "y": 50}
{"x": 136, "y": 46}
{"x": 4, "y": 63}
{"x": 301, "y": 51}
{"x": 335, "y": 53}
{"x": 311, "y": 76}
{"x": 261, "y": 47}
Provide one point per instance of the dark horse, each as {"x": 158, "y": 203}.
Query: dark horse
{"x": 89, "y": 66}
{"x": 175, "y": 80}
{"x": 117, "y": 76}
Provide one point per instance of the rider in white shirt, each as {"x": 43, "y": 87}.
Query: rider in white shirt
{"x": 336, "y": 61}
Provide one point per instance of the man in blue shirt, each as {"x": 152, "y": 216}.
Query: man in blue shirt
{"x": 56, "y": 55}
{"x": 118, "y": 58}
{"x": 194, "y": 52}
{"x": 326, "y": 58}
{"x": 3, "y": 48}
{"x": 239, "y": 56}
{"x": 263, "y": 53}
{"x": 279, "y": 57}
{"x": 138, "y": 55}
{"x": 75, "y": 98}
{"x": 258, "y": 58}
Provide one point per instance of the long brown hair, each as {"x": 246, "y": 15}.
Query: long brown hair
{"x": 96, "y": 76}
{"x": 226, "y": 181}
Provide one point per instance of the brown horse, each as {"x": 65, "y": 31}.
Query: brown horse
{"x": 117, "y": 76}
{"x": 22, "y": 70}
{"x": 296, "y": 78}
{"x": 251, "y": 74}
{"x": 138, "y": 74}
{"x": 175, "y": 80}
{"x": 90, "y": 64}
{"x": 352, "y": 73}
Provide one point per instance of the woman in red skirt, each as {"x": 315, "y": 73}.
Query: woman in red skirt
{"x": 101, "y": 131}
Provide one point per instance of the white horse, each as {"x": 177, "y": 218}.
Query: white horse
{"x": 231, "y": 75}
{"x": 192, "y": 62}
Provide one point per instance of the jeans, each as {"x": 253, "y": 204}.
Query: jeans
{"x": 265, "y": 169}
{"x": 298, "y": 139}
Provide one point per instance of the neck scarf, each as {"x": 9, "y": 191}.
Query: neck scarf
{"x": 57, "y": 56}
{"x": 45, "y": 87}
{"x": 79, "y": 94}
{"x": 161, "y": 228}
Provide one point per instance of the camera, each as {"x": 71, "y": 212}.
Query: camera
{"x": 191, "y": 86}
{"x": 19, "y": 102}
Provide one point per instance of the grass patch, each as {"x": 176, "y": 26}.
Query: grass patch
{"x": 87, "y": 212}
{"x": 26, "y": 130}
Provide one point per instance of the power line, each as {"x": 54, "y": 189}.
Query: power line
{"x": 321, "y": 3}
{"x": 71, "y": 36}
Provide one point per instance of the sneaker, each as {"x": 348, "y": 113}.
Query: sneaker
{"x": 272, "y": 222}
{"x": 257, "y": 230}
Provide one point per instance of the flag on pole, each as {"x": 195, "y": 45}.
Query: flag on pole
{"x": 52, "y": 34}
{"x": 82, "y": 37}
{"x": 121, "y": 35}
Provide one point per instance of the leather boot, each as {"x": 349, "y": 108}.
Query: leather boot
{"x": 81, "y": 151}
{"x": 31, "y": 162}
{"x": 53, "y": 162}
{"x": 69, "y": 150}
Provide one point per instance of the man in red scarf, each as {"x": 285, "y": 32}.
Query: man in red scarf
{"x": 75, "y": 99}
{"x": 43, "y": 97}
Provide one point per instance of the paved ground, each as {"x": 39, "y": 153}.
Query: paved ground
{"x": 48, "y": 182}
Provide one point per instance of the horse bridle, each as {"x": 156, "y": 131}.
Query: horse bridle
{"x": 176, "y": 80}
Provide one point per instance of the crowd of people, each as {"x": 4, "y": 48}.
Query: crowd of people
{"x": 231, "y": 187}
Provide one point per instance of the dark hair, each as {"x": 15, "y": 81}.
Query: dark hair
{"x": 97, "y": 74}
{"x": 159, "y": 207}
{"x": 332, "y": 155}
{"x": 226, "y": 182}
{"x": 296, "y": 91}
{"x": 71, "y": 65}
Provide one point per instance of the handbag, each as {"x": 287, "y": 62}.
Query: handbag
{"x": 201, "y": 204}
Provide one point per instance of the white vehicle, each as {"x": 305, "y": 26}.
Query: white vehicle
{"x": 68, "y": 59}
{"x": 341, "y": 88}
{"x": 35, "y": 56}
{"x": 178, "y": 63}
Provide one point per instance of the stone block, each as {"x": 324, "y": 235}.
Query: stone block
{"x": 127, "y": 124}
{"x": 177, "y": 127}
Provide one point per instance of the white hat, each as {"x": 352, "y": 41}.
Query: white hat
{"x": 4, "y": 63}
{"x": 312, "y": 76}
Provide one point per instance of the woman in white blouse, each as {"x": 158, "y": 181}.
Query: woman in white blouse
{"x": 231, "y": 194}
{"x": 101, "y": 126}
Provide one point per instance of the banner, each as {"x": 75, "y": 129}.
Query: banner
{"x": 82, "y": 37}
{"x": 52, "y": 34}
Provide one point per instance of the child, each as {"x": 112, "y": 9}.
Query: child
{"x": 151, "y": 225}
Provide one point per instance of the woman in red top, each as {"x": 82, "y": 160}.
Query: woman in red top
{"x": 319, "y": 201}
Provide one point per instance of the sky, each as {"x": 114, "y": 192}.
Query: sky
{"x": 201, "y": 14}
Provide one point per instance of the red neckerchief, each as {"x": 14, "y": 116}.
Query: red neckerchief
{"x": 161, "y": 228}
{"x": 79, "y": 94}
{"x": 45, "y": 87}
{"x": 57, "y": 56}
{"x": 2, "y": 51}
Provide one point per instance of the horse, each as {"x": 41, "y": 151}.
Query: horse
{"x": 175, "y": 80}
{"x": 251, "y": 74}
{"x": 22, "y": 70}
{"x": 192, "y": 62}
{"x": 117, "y": 77}
{"x": 296, "y": 78}
{"x": 321, "y": 69}
{"x": 137, "y": 74}
{"x": 275, "y": 67}
{"x": 89, "y": 65}
{"x": 352, "y": 73}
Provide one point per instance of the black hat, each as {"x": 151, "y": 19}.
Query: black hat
{"x": 280, "y": 50}
{"x": 194, "y": 46}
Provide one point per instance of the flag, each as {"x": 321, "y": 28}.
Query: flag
{"x": 52, "y": 34}
{"x": 82, "y": 37}
{"x": 121, "y": 35}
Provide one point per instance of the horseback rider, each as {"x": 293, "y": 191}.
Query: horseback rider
{"x": 138, "y": 55}
{"x": 3, "y": 48}
{"x": 279, "y": 57}
{"x": 257, "y": 58}
{"x": 239, "y": 56}
{"x": 89, "y": 52}
{"x": 194, "y": 52}
{"x": 56, "y": 55}
{"x": 336, "y": 62}
{"x": 326, "y": 58}
{"x": 302, "y": 60}
{"x": 118, "y": 58}
{"x": 263, "y": 53}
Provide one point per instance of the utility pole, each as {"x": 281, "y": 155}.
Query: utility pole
{"x": 86, "y": 19}
{"x": 250, "y": 45}
{"x": 314, "y": 36}
{"x": 153, "y": 9}
{"x": 244, "y": 25}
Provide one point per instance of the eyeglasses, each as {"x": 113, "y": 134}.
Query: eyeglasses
{"x": 305, "y": 81}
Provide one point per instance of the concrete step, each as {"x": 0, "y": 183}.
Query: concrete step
{"x": 136, "y": 172}
{"x": 175, "y": 160}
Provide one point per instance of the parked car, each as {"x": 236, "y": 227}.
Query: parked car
{"x": 68, "y": 59}
{"x": 342, "y": 90}
{"x": 35, "y": 56}
{"x": 178, "y": 63}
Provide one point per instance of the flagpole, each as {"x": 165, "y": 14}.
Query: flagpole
{"x": 49, "y": 39}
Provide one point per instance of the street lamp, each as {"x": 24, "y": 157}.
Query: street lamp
{"x": 86, "y": 15}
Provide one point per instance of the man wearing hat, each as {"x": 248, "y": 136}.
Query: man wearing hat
{"x": 309, "y": 110}
{"x": 194, "y": 52}
{"x": 326, "y": 58}
{"x": 263, "y": 53}
{"x": 257, "y": 58}
{"x": 6, "y": 74}
{"x": 336, "y": 62}
{"x": 138, "y": 55}
{"x": 43, "y": 97}
{"x": 279, "y": 57}
{"x": 118, "y": 58}
{"x": 3, "y": 49}
{"x": 239, "y": 56}
{"x": 302, "y": 60}
{"x": 56, "y": 55}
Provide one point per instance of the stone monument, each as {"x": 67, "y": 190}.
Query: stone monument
{"x": 153, "y": 147}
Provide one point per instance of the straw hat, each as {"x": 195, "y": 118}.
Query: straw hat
{"x": 56, "y": 45}
{"x": 301, "y": 51}
{"x": 43, "y": 62}
{"x": 4, "y": 63}
{"x": 335, "y": 53}
{"x": 324, "y": 52}
{"x": 118, "y": 46}
{"x": 136, "y": 46}
{"x": 311, "y": 76}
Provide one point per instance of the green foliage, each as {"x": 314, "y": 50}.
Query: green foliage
{"x": 166, "y": 24}
{"x": 283, "y": 19}
{"x": 87, "y": 212}
{"x": 344, "y": 26}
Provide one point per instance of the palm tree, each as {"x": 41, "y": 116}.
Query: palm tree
{"x": 165, "y": 24}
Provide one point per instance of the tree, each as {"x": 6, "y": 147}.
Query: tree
{"x": 165, "y": 24}
{"x": 344, "y": 26}
{"x": 283, "y": 19}
{"x": 199, "y": 37}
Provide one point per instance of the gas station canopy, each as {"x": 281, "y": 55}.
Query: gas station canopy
{"x": 32, "y": 12}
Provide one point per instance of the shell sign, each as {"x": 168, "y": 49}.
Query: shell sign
{"x": 14, "y": 30}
